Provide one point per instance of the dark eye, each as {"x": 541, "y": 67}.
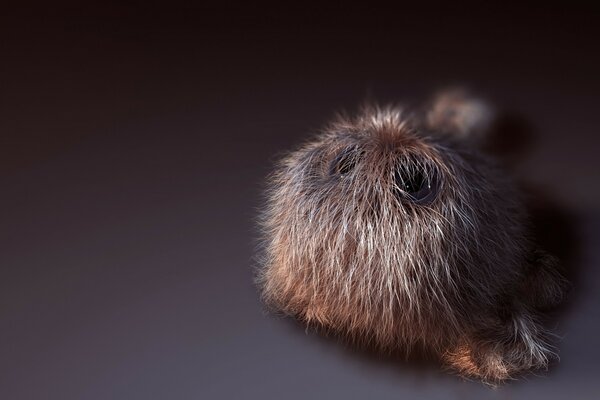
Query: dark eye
{"x": 417, "y": 185}
{"x": 345, "y": 162}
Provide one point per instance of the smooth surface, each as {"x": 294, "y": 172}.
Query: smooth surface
{"x": 135, "y": 145}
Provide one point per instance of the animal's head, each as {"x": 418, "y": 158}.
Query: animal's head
{"x": 385, "y": 222}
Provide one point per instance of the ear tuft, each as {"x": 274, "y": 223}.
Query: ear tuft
{"x": 456, "y": 112}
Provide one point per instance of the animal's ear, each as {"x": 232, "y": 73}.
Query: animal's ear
{"x": 455, "y": 111}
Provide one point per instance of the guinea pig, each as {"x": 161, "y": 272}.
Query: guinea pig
{"x": 393, "y": 229}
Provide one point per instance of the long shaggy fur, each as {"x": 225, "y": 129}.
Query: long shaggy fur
{"x": 350, "y": 249}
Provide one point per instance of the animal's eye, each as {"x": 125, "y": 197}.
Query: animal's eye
{"x": 417, "y": 185}
{"x": 345, "y": 162}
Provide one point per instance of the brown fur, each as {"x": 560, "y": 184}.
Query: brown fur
{"x": 357, "y": 243}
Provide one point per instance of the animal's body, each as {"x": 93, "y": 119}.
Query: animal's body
{"x": 393, "y": 229}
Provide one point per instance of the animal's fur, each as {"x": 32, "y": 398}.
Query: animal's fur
{"x": 348, "y": 249}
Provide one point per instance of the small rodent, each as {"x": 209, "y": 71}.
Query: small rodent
{"x": 392, "y": 229}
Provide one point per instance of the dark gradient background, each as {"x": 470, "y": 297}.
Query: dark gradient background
{"x": 134, "y": 144}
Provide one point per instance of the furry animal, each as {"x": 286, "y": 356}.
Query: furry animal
{"x": 392, "y": 230}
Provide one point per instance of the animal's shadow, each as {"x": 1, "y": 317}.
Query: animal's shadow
{"x": 554, "y": 227}
{"x": 418, "y": 360}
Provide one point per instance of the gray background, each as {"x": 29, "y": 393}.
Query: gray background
{"x": 135, "y": 142}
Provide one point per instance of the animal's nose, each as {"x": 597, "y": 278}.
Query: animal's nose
{"x": 415, "y": 184}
